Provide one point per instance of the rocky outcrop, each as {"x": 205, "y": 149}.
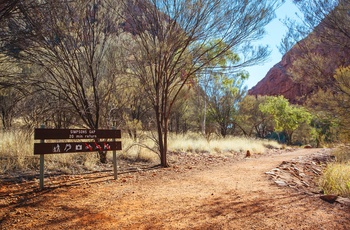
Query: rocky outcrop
{"x": 278, "y": 80}
{"x": 315, "y": 57}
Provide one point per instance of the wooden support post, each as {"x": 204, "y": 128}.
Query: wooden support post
{"x": 42, "y": 164}
{"x": 115, "y": 160}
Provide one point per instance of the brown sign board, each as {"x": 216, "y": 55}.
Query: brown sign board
{"x": 50, "y": 134}
{"x": 75, "y": 147}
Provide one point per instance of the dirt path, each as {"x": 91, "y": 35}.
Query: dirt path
{"x": 224, "y": 196}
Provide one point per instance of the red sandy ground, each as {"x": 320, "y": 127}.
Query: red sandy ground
{"x": 194, "y": 193}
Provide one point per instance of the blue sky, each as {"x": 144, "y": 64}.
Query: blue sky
{"x": 275, "y": 32}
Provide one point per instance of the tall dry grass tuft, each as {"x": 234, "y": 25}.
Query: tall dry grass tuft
{"x": 16, "y": 151}
{"x": 336, "y": 177}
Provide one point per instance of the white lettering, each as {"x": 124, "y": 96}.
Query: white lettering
{"x": 78, "y": 131}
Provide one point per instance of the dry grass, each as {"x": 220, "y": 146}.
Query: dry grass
{"x": 16, "y": 155}
{"x": 342, "y": 154}
{"x": 336, "y": 178}
{"x": 16, "y": 151}
{"x": 138, "y": 151}
{"x": 195, "y": 143}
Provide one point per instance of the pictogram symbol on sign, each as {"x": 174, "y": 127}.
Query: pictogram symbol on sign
{"x": 106, "y": 146}
{"x": 79, "y": 147}
{"x": 98, "y": 146}
{"x": 67, "y": 147}
{"x": 88, "y": 147}
{"x": 56, "y": 149}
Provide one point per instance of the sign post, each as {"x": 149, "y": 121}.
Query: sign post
{"x": 78, "y": 146}
{"x": 115, "y": 161}
{"x": 42, "y": 164}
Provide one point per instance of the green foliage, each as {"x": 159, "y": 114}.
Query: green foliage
{"x": 222, "y": 90}
{"x": 250, "y": 120}
{"x": 287, "y": 118}
{"x": 217, "y": 46}
{"x": 331, "y": 108}
{"x": 227, "y": 93}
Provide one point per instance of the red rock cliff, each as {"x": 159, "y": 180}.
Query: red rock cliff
{"x": 278, "y": 82}
{"x": 312, "y": 60}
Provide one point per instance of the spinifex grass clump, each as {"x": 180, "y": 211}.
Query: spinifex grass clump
{"x": 336, "y": 177}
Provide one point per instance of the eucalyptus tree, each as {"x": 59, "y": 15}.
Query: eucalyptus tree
{"x": 173, "y": 38}
{"x": 224, "y": 96}
{"x": 287, "y": 118}
{"x": 250, "y": 120}
{"x": 216, "y": 81}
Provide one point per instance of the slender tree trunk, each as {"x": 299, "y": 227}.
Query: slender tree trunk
{"x": 163, "y": 159}
{"x": 241, "y": 128}
{"x": 223, "y": 129}
{"x": 204, "y": 117}
{"x": 161, "y": 138}
{"x": 278, "y": 136}
{"x": 289, "y": 138}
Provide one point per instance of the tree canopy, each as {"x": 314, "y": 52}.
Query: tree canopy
{"x": 324, "y": 58}
{"x": 88, "y": 58}
{"x": 175, "y": 40}
{"x": 287, "y": 118}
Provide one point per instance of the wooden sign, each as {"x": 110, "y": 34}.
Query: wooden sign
{"x": 95, "y": 145}
{"x": 50, "y": 134}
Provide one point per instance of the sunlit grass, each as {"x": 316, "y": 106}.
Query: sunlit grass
{"x": 17, "y": 154}
{"x": 195, "y": 143}
{"x": 336, "y": 179}
{"x": 138, "y": 150}
{"x": 16, "y": 151}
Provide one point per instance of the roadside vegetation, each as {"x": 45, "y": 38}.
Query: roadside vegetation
{"x": 170, "y": 74}
{"x": 16, "y": 152}
{"x": 326, "y": 24}
{"x": 336, "y": 177}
